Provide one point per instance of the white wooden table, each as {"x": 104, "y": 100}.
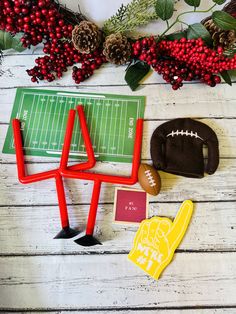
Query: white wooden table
{"x": 38, "y": 273}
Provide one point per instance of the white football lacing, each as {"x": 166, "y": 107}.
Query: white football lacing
{"x": 187, "y": 133}
{"x": 150, "y": 178}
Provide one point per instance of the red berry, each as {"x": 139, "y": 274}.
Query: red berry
{"x": 9, "y": 20}
{"x": 41, "y": 3}
{"x": 38, "y": 20}
{"x": 24, "y": 10}
{"x": 61, "y": 22}
{"x": 175, "y": 87}
{"x": 217, "y": 79}
{"x": 34, "y": 79}
{"x": 44, "y": 11}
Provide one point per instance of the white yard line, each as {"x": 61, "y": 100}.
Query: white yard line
{"x": 48, "y": 122}
{"x": 77, "y": 133}
{"x": 101, "y": 126}
{"x": 43, "y": 124}
{"x": 105, "y": 129}
{"x": 118, "y": 146}
{"x": 52, "y": 127}
{"x": 40, "y": 114}
{"x": 96, "y": 122}
{"x": 124, "y": 129}
{"x": 60, "y": 139}
{"x": 91, "y": 125}
{"x": 57, "y": 129}
{"x": 81, "y": 95}
{"x": 53, "y": 152}
{"x": 34, "y": 118}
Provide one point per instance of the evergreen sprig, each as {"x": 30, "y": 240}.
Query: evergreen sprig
{"x": 130, "y": 16}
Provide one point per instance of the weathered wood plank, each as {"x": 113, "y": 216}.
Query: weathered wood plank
{"x": 100, "y": 281}
{"x": 15, "y": 74}
{"x": 32, "y": 51}
{"x": 110, "y": 281}
{"x": 161, "y": 101}
{"x": 224, "y": 128}
{"x": 220, "y": 186}
{"x": 206, "y": 310}
{"x": 30, "y": 230}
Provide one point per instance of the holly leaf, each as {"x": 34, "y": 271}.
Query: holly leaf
{"x": 226, "y": 77}
{"x": 193, "y": 3}
{"x": 232, "y": 74}
{"x": 164, "y": 9}
{"x": 8, "y": 41}
{"x": 177, "y": 35}
{"x": 219, "y": 1}
{"x": 135, "y": 73}
{"x": 17, "y": 44}
{"x": 224, "y": 20}
{"x": 198, "y": 30}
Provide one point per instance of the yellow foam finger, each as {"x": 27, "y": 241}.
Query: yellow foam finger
{"x": 156, "y": 240}
{"x": 164, "y": 227}
{"x": 139, "y": 235}
{"x": 180, "y": 224}
{"x": 153, "y": 227}
{"x": 144, "y": 230}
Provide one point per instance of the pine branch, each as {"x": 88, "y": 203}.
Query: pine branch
{"x": 130, "y": 16}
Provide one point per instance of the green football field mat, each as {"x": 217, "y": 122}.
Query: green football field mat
{"x": 43, "y": 114}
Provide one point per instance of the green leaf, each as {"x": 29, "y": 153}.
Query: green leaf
{"x": 135, "y": 73}
{"x": 193, "y": 3}
{"x": 226, "y": 76}
{"x": 198, "y": 30}
{"x": 232, "y": 74}
{"x": 17, "y": 44}
{"x": 7, "y": 41}
{"x": 164, "y": 9}
{"x": 177, "y": 35}
{"x": 219, "y": 1}
{"x": 224, "y": 20}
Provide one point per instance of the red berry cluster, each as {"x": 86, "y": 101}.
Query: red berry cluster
{"x": 197, "y": 56}
{"x": 175, "y": 72}
{"x": 183, "y": 60}
{"x": 38, "y": 19}
{"x": 93, "y": 62}
{"x": 61, "y": 55}
{"x": 41, "y": 21}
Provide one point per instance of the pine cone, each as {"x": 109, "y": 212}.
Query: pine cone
{"x": 117, "y": 49}
{"x": 230, "y": 8}
{"x": 225, "y": 39}
{"x": 86, "y": 37}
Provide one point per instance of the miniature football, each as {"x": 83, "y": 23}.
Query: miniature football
{"x": 149, "y": 179}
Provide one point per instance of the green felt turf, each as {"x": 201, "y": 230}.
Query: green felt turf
{"x": 43, "y": 114}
